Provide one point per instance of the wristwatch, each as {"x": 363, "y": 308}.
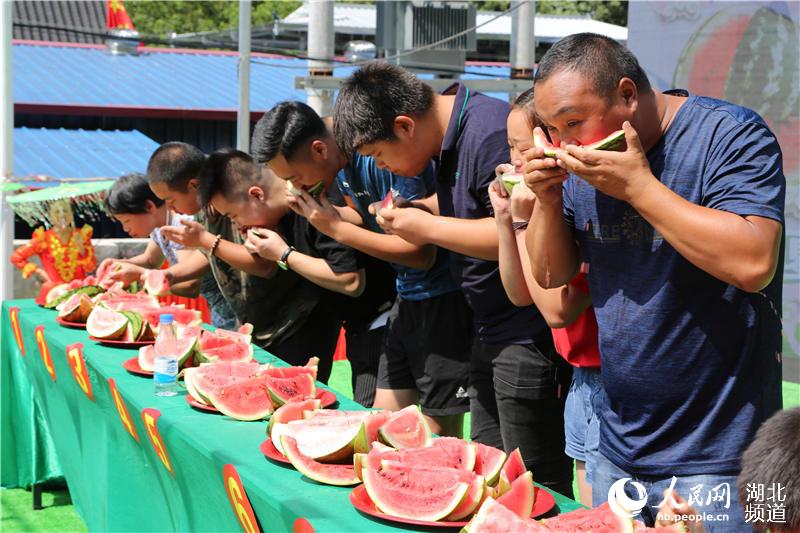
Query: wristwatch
{"x": 282, "y": 261}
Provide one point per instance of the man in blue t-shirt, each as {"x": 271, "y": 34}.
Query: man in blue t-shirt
{"x": 425, "y": 358}
{"x": 682, "y": 232}
{"x": 518, "y": 383}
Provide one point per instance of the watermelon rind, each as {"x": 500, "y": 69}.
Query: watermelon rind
{"x": 406, "y": 429}
{"x": 340, "y": 475}
{"x": 190, "y": 388}
{"x": 106, "y": 324}
{"x": 135, "y": 321}
{"x": 89, "y": 290}
{"x": 432, "y": 501}
{"x": 510, "y": 179}
{"x": 76, "y": 308}
{"x": 328, "y": 440}
{"x": 611, "y": 142}
{"x": 540, "y": 141}
{"x": 156, "y": 283}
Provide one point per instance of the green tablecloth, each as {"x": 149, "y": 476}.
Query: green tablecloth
{"x": 119, "y": 483}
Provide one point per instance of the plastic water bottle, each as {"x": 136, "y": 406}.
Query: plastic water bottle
{"x": 166, "y": 358}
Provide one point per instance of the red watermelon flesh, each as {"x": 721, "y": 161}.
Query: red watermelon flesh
{"x": 290, "y": 371}
{"x": 369, "y": 430}
{"x": 495, "y": 518}
{"x": 211, "y": 376}
{"x": 415, "y": 494}
{"x": 292, "y": 411}
{"x": 488, "y": 461}
{"x": 283, "y": 390}
{"x": 458, "y": 448}
{"x": 520, "y": 497}
{"x": 474, "y": 494}
{"x": 512, "y": 469}
{"x": 599, "y": 519}
{"x": 245, "y": 338}
{"x": 432, "y": 456}
{"x": 341, "y": 475}
{"x": 243, "y": 400}
{"x": 235, "y": 352}
{"x": 180, "y": 316}
{"x": 406, "y": 429}
{"x": 156, "y": 283}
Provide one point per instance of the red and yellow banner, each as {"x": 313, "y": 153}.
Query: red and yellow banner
{"x": 78, "y": 366}
{"x": 44, "y": 350}
{"x": 122, "y": 410}
{"x": 13, "y": 315}
{"x": 238, "y": 498}
{"x": 150, "y": 417}
{"x": 117, "y": 16}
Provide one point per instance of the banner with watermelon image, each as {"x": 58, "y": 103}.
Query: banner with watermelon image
{"x": 746, "y": 53}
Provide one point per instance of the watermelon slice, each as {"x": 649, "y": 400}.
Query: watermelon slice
{"x": 540, "y": 141}
{"x": 510, "y": 179}
{"x": 76, "y": 308}
{"x": 432, "y": 456}
{"x": 293, "y": 411}
{"x": 473, "y": 497}
{"x": 55, "y": 293}
{"x": 327, "y": 440}
{"x": 243, "y": 400}
{"x": 156, "y": 283}
{"x": 186, "y": 347}
{"x": 238, "y": 336}
{"x": 520, "y": 497}
{"x": 369, "y": 431}
{"x": 388, "y": 201}
{"x": 612, "y": 142}
{"x": 512, "y": 469}
{"x": 106, "y": 324}
{"x": 415, "y": 495}
{"x": 342, "y": 475}
{"x": 180, "y": 316}
{"x": 210, "y": 376}
{"x": 600, "y": 518}
{"x": 488, "y": 461}
{"x": 406, "y": 429}
{"x": 231, "y": 353}
{"x": 188, "y": 373}
{"x": 495, "y": 518}
{"x": 283, "y": 390}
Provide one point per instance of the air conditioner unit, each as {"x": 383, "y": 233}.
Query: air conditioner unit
{"x": 410, "y": 27}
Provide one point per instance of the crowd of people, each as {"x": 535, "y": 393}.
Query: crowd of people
{"x": 620, "y": 309}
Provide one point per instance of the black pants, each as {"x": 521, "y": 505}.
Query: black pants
{"x": 517, "y": 395}
{"x": 364, "y": 350}
{"x": 316, "y": 338}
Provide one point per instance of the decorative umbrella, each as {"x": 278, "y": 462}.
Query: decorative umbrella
{"x": 86, "y": 197}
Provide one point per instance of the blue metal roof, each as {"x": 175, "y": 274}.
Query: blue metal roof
{"x": 89, "y": 76}
{"x": 79, "y": 154}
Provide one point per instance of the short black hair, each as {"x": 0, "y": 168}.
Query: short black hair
{"x": 285, "y": 129}
{"x": 228, "y": 172}
{"x": 175, "y": 163}
{"x": 129, "y": 195}
{"x": 371, "y": 98}
{"x": 601, "y": 59}
{"x": 772, "y": 459}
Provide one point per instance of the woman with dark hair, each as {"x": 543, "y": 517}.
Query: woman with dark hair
{"x": 141, "y": 213}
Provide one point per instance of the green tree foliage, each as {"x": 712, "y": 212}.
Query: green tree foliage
{"x": 160, "y": 17}
{"x": 611, "y": 11}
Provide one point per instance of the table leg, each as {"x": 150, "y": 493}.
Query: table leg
{"x": 37, "y": 496}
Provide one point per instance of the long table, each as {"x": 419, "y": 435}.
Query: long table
{"x": 134, "y": 461}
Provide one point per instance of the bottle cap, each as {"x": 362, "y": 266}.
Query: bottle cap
{"x": 165, "y": 318}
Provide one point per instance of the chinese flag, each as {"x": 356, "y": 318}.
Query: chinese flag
{"x": 116, "y": 16}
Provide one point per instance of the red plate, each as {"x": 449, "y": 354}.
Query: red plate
{"x": 66, "y": 324}
{"x": 361, "y": 501}
{"x": 328, "y": 398}
{"x": 271, "y": 452}
{"x": 197, "y": 405}
{"x": 122, "y": 344}
{"x": 132, "y": 366}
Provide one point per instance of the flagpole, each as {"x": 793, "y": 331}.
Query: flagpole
{"x": 243, "y": 113}
{"x": 6, "y": 152}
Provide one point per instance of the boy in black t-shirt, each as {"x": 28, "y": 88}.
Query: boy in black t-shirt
{"x": 256, "y": 201}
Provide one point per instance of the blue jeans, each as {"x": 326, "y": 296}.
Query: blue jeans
{"x": 720, "y": 507}
{"x": 581, "y": 425}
